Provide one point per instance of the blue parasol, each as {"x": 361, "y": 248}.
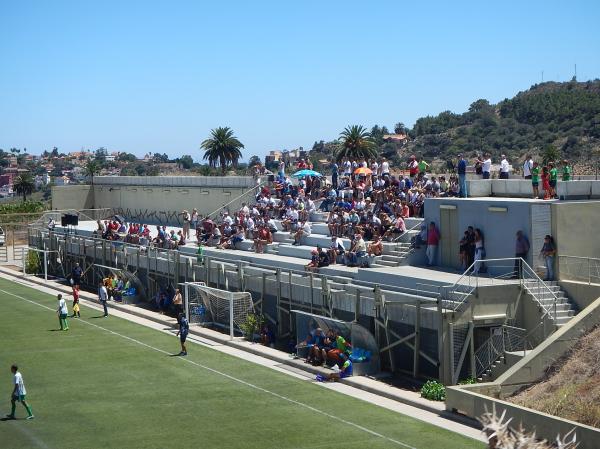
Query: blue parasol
{"x": 305, "y": 172}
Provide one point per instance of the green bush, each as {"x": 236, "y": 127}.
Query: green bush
{"x": 468, "y": 381}
{"x": 434, "y": 391}
{"x": 33, "y": 263}
{"x": 20, "y": 207}
{"x": 252, "y": 325}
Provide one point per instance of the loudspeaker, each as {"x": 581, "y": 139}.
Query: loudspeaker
{"x": 69, "y": 220}
{"x": 271, "y": 178}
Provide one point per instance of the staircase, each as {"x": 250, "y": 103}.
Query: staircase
{"x": 394, "y": 253}
{"x": 503, "y": 350}
{"x": 500, "y": 365}
{"x": 546, "y": 294}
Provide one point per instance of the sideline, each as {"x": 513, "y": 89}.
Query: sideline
{"x": 366, "y": 390}
{"x": 230, "y": 377}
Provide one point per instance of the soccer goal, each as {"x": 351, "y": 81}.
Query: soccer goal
{"x": 35, "y": 261}
{"x": 220, "y": 308}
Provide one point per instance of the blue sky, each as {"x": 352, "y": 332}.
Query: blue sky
{"x": 143, "y": 76}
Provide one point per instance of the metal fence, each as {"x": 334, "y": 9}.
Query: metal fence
{"x": 503, "y": 339}
{"x": 582, "y": 269}
{"x": 395, "y": 315}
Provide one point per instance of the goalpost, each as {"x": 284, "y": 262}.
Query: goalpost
{"x": 218, "y": 307}
{"x": 42, "y": 259}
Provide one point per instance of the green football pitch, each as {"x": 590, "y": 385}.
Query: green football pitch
{"x": 111, "y": 383}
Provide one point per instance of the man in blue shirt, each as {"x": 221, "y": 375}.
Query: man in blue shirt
{"x": 462, "y": 176}
{"x": 182, "y": 333}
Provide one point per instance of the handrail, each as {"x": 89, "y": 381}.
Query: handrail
{"x": 500, "y": 343}
{"x": 260, "y": 184}
{"x": 302, "y": 273}
{"x": 576, "y": 274}
{"x": 81, "y": 212}
{"x": 540, "y": 282}
{"x": 417, "y": 225}
{"x": 456, "y": 286}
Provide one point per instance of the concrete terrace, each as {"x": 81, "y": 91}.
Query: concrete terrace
{"x": 400, "y": 266}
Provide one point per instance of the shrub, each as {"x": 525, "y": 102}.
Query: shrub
{"x": 468, "y": 381}
{"x": 22, "y": 207}
{"x": 434, "y": 391}
{"x": 33, "y": 263}
{"x": 252, "y": 325}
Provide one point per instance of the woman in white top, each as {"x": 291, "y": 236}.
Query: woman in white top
{"x": 479, "y": 251}
{"x": 486, "y": 167}
{"x": 385, "y": 167}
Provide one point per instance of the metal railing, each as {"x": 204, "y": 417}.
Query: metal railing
{"x": 398, "y": 239}
{"x": 237, "y": 198}
{"x": 455, "y": 296}
{"x": 171, "y": 255}
{"x": 84, "y": 215}
{"x": 539, "y": 290}
{"x": 503, "y": 339}
{"x": 583, "y": 269}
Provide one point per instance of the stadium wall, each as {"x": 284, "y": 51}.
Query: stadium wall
{"x": 157, "y": 199}
{"x": 72, "y": 197}
{"x": 499, "y": 221}
{"x": 575, "y": 228}
{"x": 521, "y": 188}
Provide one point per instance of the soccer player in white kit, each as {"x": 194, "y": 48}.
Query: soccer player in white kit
{"x": 62, "y": 312}
{"x": 18, "y": 394}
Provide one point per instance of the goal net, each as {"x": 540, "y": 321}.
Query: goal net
{"x": 220, "y": 308}
{"x": 37, "y": 261}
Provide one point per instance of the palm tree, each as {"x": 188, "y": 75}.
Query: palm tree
{"x": 91, "y": 169}
{"x": 24, "y": 185}
{"x": 356, "y": 143}
{"x": 222, "y": 148}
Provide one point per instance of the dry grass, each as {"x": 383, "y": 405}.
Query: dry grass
{"x": 571, "y": 388}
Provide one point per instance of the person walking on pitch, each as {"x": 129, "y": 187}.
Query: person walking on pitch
{"x": 103, "y": 297}
{"x": 182, "y": 333}
{"x": 18, "y": 394}
{"x": 62, "y": 312}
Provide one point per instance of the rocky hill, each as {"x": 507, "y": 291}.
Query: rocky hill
{"x": 559, "y": 119}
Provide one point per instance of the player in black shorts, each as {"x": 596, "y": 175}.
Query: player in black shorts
{"x": 182, "y": 333}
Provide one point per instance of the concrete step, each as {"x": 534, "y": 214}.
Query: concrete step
{"x": 545, "y": 291}
{"x": 396, "y": 253}
{"x": 305, "y": 252}
{"x": 535, "y": 282}
{"x": 387, "y": 263}
{"x": 559, "y": 307}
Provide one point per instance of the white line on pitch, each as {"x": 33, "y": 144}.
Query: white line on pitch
{"x": 235, "y": 379}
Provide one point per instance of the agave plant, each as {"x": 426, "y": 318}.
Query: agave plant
{"x": 501, "y": 436}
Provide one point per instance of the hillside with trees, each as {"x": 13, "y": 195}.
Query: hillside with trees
{"x": 550, "y": 120}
